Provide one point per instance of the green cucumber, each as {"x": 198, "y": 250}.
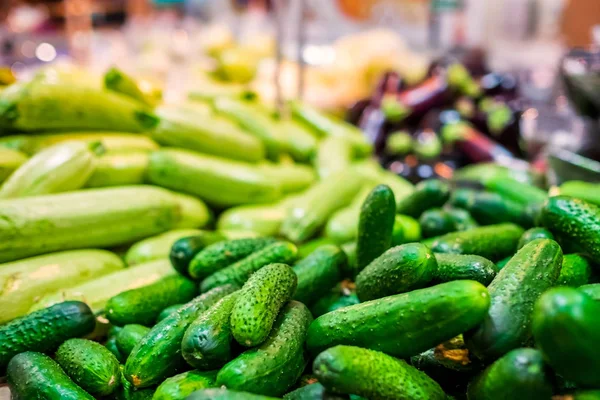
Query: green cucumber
{"x": 129, "y": 337}
{"x": 452, "y": 267}
{"x": 519, "y": 375}
{"x": 566, "y": 327}
{"x": 534, "y": 233}
{"x": 155, "y": 247}
{"x": 428, "y": 194}
{"x": 224, "y": 253}
{"x": 305, "y": 249}
{"x": 225, "y": 394}
{"x": 207, "y": 343}
{"x": 493, "y": 242}
{"x": 400, "y": 269}
{"x": 428, "y": 317}
{"x": 586, "y": 191}
{"x": 576, "y": 271}
{"x": 374, "y": 175}
{"x": 375, "y": 225}
{"x": 185, "y": 248}
{"x": 313, "y": 391}
{"x": 142, "y": 305}
{"x": 158, "y": 355}
{"x": 513, "y": 292}
{"x": 350, "y": 250}
{"x": 337, "y": 298}
{"x": 90, "y": 365}
{"x": 519, "y": 192}
{"x": 592, "y": 290}
{"x": 111, "y": 345}
{"x": 318, "y": 273}
{"x": 34, "y": 375}
{"x": 259, "y": 302}
{"x": 502, "y": 263}
{"x": 406, "y": 230}
{"x": 239, "y": 272}
{"x": 179, "y": 387}
{"x": 490, "y": 208}
{"x": 582, "y": 395}
{"x": 342, "y": 370}
{"x": 168, "y": 311}
{"x": 45, "y": 330}
{"x": 436, "y": 222}
{"x": 274, "y": 366}
{"x": 462, "y": 219}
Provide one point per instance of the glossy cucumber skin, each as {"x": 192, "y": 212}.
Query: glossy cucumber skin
{"x": 490, "y": 208}
{"x": 566, "y": 327}
{"x": 259, "y": 302}
{"x": 158, "y": 355}
{"x": 520, "y": 375}
{"x": 225, "y": 394}
{"x": 313, "y": 391}
{"x": 400, "y": 269}
{"x": 274, "y": 366}
{"x": 575, "y": 272}
{"x": 318, "y": 273}
{"x": 180, "y": 386}
{"x": 534, "y": 233}
{"x": 207, "y": 343}
{"x": 111, "y": 345}
{"x": 45, "y": 330}
{"x": 406, "y": 324}
{"x": 493, "y": 242}
{"x": 428, "y": 194}
{"x": 513, "y": 292}
{"x": 185, "y": 249}
{"x": 239, "y": 272}
{"x": 332, "y": 301}
{"x": 592, "y": 290}
{"x": 463, "y": 221}
{"x": 452, "y": 267}
{"x": 341, "y": 369}
{"x": 222, "y": 254}
{"x": 90, "y": 365}
{"x": 34, "y": 375}
{"x": 436, "y": 222}
{"x": 129, "y": 337}
{"x": 168, "y": 311}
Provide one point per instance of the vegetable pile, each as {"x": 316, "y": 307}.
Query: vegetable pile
{"x": 210, "y": 250}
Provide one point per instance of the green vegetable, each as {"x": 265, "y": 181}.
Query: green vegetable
{"x": 183, "y": 250}
{"x": 179, "y": 387}
{"x": 262, "y": 219}
{"x": 10, "y": 160}
{"x": 156, "y": 247}
{"x": 451, "y": 267}
{"x": 300, "y": 141}
{"x": 226, "y": 394}
{"x": 436, "y": 222}
{"x": 343, "y": 224}
{"x": 592, "y": 290}
{"x": 399, "y": 143}
{"x": 129, "y": 337}
{"x": 490, "y": 208}
{"x": 168, "y": 311}
{"x": 409, "y": 228}
{"x": 337, "y": 298}
{"x": 334, "y": 155}
{"x": 428, "y": 194}
{"x": 119, "y": 82}
{"x": 305, "y": 249}
{"x": 111, "y": 345}
{"x": 585, "y": 191}
{"x": 290, "y": 177}
{"x": 575, "y": 271}
{"x": 519, "y": 192}
{"x": 313, "y": 391}
{"x": 119, "y": 169}
{"x": 534, "y": 233}
{"x": 318, "y": 273}
{"x": 463, "y": 221}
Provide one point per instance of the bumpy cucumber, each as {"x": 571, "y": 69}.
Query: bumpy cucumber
{"x": 225, "y": 394}
{"x": 336, "y": 298}
{"x": 168, "y": 311}
{"x": 519, "y": 375}
{"x": 342, "y": 369}
{"x": 274, "y": 366}
{"x": 428, "y": 194}
{"x": 36, "y": 376}
{"x": 129, "y": 337}
{"x": 179, "y": 387}
{"x": 207, "y": 343}
{"x": 158, "y": 355}
{"x": 534, "y": 233}
{"x": 428, "y": 317}
{"x": 318, "y": 273}
{"x": 592, "y": 290}
{"x": 575, "y": 271}
{"x": 239, "y": 272}
{"x": 452, "y": 267}
{"x": 436, "y": 222}
{"x": 490, "y": 208}
{"x": 513, "y": 292}
{"x": 400, "y": 269}
{"x": 90, "y": 365}
{"x": 185, "y": 249}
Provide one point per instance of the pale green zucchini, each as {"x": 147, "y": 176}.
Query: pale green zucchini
{"x": 10, "y": 160}
{"x": 290, "y": 177}
{"x": 156, "y": 247}
{"x": 263, "y": 219}
{"x": 342, "y": 227}
{"x": 194, "y": 212}
{"x": 119, "y": 169}
{"x": 333, "y": 155}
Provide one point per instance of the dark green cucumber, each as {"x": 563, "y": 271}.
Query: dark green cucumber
{"x": 406, "y": 230}
{"x": 519, "y": 375}
{"x": 129, "y": 337}
{"x": 185, "y": 249}
{"x": 305, "y": 249}
{"x": 259, "y": 302}
{"x": 179, "y": 387}
{"x": 502, "y": 263}
{"x": 462, "y": 219}
{"x": 239, "y": 272}
{"x": 436, "y": 222}
{"x": 158, "y": 355}
{"x": 575, "y": 271}
{"x": 318, "y": 273}
{"x": 274, "y": 366}
{"x": 534, "y": 233}
{"x": 336, "y": 298}
{"x": 566, "y": 327}
{"x": 575, "y": 220}
{"x": 167, "y": 311}
{"x": 490, "y": 208}
{"x": 222, "y": 254}
{"x": 428, "y": 194}
{"x": 452, "y": 267}
{"x": 405, "y": 324}
{"x": 34, "y": 375}
{"x": 45, "y": 330}
{"x": 400, "y": 269}
{"x": 207, "y": 343}
{"x": 314, "y": 391}
{"x": 226, "y": 394}
{"x": 375, "y": 225}
{"x": 513, "y": 292}
{"x": 493, "y": 242}
{"x": 111, "y": 345}
{"x": 143, "y": 305}
{"x": 592, "y": 290}
{"x": 350, "y": 250}
{"x": 519, "y": 192}
{"x": 90, "y": 365}
{"x": 342, "y": 369}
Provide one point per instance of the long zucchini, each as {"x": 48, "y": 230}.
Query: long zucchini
{"x": 263, "y": 219}
{"x": 119, "y": 169}
{"x": 290, "y": 177}
{"x": 334, "y": 155}
{"x": 156, "y": 247}
{"x": 10, "y": 160}
{"x": 194, "y": 212}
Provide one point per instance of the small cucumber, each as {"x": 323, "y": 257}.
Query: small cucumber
{"x": 575, "y": 271}
{"x": 34, "y": 375}
{"x": 428, "y": 317}
{"x": 452, "y": 267}
{"x": 155, "y": 247}
{"x": 274, "y": 366}
{"x": 592, "y": 290}
{"x": 305, "y": 249}
{"x": 239, "y": 272}
{"x": 224, "y": 253}
{"x": 45, "y": 330}
{"x": 566, "y": 327}
{"x": 519, "y": 375}
{"x": 410, "y": 228}
{"x": 534, "y": 233}
{"x": 428, "y": 194}
{"x": 400, "y": 269}
{"x": 179, "y": 387}
{"x": 513, "y": 292}
{"x": 143, "y": 305}
{"x": 375, "y": 225}
{"x": 343, "y": 224}
{"x": 129, "y": 337}
{"x": 342, "y": 370}
{"x": 490, "y": 208}
{"x": 184, "y": 249}
{"x": 207, "y": 343}
{"x": 318, "y": 273}
{"x": 259, "y": 302}
{"x": 337, "y": 298}
{"x": 502, "y": 263}
{"x": 90, "y": 365}
{"x": 462, "y": 219}
{"x": 350, "y": 250}
{"x": 111, "y": 345}
{"x": 519, "y": 192}
{"x": 313, "y": 391}
{"x": 436, "y": 222}
{"x": 168, "y": 311}
{"x": 225, "y": 394}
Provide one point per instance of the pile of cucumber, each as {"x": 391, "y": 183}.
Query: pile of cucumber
{"x": 213, "y": 251}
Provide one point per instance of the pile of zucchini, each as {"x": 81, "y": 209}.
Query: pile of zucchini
{"x": 212, "y": 251}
